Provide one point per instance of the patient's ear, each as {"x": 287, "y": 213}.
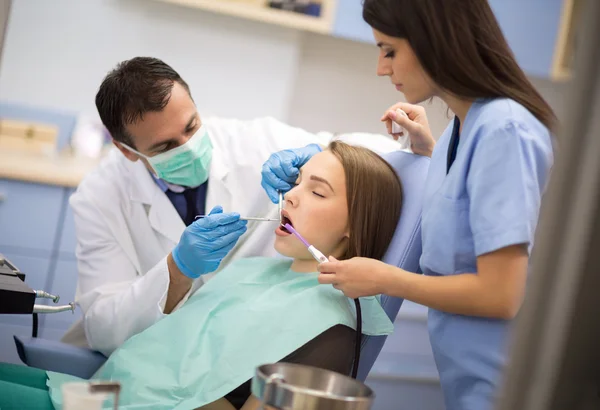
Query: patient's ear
{"x": 347, "y": 232}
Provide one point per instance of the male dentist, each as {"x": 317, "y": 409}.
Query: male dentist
{"x": 137, "y": 260}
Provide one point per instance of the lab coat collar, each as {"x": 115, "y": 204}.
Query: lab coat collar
{"x": 142, "y": 187}
{"x": 218, "y": 165}
{"x": 219, "y": 190}
{"x": 162, "y": 215}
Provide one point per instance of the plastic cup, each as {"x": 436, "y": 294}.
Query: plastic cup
{"x": 77, "y": 396}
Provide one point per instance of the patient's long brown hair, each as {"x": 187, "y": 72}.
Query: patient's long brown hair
{"x": 374, "y": 195}
{"x": 460, "y": 45}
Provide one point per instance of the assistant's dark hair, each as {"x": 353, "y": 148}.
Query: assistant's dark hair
{"x": 133, "y": 88}
{"x": 460, "y": 45}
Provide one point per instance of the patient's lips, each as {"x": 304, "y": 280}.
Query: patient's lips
{"x": 285, "y": 219}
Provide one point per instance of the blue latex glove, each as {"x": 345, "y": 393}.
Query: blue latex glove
{"x": 281, "y": 170}
{"x": 205, "y": 243}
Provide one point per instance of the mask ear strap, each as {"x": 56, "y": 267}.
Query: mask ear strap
{"x": 128, "y": 148}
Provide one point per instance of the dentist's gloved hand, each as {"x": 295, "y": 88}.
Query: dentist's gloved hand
{"x": 281, "y": 170}
{"x": 205, "y": 243}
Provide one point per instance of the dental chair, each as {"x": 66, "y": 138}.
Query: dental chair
{"x": 405, "y": 249}
{"x": 404, "y": 252}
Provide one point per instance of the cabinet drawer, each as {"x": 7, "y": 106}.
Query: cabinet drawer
{"x": 29, "y": 215}
{"x": 8, "y": 350}
{"x": 405, "y": 366}
{"x": 410, "y": 337}
{"x": 63, "y": 283}
{"x": 349, "y": 23}
{"x": 399, "y": 394}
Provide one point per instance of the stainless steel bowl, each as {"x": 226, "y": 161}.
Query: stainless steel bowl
{"x": 293, "y": 387}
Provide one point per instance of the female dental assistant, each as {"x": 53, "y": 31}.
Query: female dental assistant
{"x": 483, "y": 192}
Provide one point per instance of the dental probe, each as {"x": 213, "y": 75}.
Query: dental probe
{"x": 249, "y": 218}
{"x": 280, "y": 207}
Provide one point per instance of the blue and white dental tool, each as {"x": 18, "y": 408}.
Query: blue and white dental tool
{"x": 313, "y": 251}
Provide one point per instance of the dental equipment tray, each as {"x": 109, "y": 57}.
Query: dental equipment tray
{"x": 15, "y": 296}
{"x": 18, "y": 298}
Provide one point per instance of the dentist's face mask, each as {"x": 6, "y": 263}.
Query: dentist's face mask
{"x": 186, "y": 165}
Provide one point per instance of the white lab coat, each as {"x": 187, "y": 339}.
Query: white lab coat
{"x": 126, "y": 226}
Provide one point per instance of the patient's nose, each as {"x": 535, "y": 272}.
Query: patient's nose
{"x": 291, "y": 198}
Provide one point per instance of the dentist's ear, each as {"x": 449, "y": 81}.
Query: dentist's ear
{"x": 128, "y": 154}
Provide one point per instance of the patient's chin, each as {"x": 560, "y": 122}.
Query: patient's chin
{"x": 289, "y": 247}
{"x": 283, "y": 248}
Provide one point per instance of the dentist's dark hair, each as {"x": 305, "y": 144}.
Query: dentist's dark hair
{"x": 374, "y": 196}
{"x": 133, "y": 88}
{"x": 460, "y": 45}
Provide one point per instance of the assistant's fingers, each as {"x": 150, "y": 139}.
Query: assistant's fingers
{"x": 328, "y": 267}
{"x": 327, "y": 278}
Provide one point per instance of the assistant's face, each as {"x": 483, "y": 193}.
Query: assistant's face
{"x": 398, "y": 61}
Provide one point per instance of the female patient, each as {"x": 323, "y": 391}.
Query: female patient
{"x": 346, "y": 203}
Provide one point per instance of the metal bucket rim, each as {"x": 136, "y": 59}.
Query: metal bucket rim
{"x": 317, "y": 393}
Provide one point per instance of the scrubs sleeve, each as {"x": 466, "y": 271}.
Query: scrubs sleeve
{"x": 505, "y": 183}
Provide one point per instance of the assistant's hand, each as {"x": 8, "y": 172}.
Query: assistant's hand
{"x": 281, "y": 170}
{"x": 205, "y": 243}
{"x": 417, "y": 126}
{"x": 356, "y": 277}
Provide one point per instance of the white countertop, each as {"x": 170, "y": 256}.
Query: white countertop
{"x": 62, "y": 169}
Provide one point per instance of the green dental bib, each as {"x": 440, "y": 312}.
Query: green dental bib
{"x": 256, "y": 311}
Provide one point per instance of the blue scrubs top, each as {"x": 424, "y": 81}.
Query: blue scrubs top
{"x": 488, "y": 199}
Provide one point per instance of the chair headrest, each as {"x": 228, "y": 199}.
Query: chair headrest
{"x": 405, "y": 248}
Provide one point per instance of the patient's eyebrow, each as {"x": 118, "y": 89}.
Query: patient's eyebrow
{"x": 322, "y": 180}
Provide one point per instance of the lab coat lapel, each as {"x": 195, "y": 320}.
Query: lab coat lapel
{"x": 164, "y": 218}
{"x": 162, "y": 215}
{"x": 219, "y": 191}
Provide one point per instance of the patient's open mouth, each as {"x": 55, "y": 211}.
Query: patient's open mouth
{"x": 285, "y": 219}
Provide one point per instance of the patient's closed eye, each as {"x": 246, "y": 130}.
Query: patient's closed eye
{"x": 316, "y": 181}
{"x": 322, "y": 181}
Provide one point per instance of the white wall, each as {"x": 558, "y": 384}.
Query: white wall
{"x": 58, "y": 51}
{"x": 337, "y": 89}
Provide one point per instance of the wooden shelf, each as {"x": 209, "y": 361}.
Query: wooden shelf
{"x": 62, "y": 169}
{"x": 257, "y": 12}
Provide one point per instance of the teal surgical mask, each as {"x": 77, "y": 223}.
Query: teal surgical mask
{"x": 186, "y": 165}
